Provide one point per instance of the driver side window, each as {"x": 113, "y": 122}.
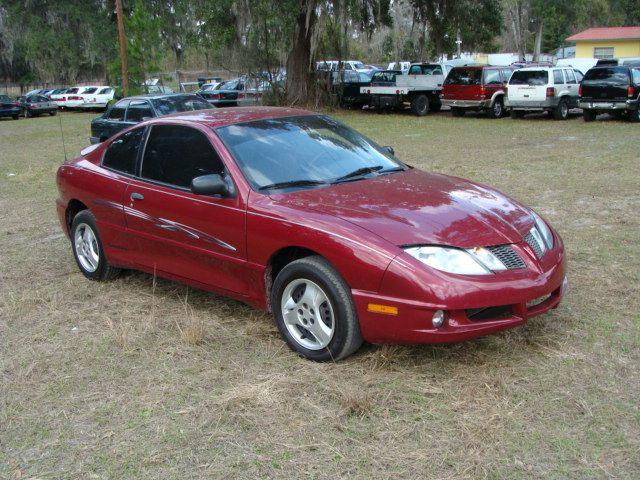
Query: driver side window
{"x": 175, "y": 155}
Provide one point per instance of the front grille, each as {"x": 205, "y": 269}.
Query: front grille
{"x": 508, "y": 256}
{"x": 533, "y": 243}
{"x": 489, "y": 313}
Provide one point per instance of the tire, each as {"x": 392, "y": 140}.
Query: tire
{"x": 420, "y": 105}
{"x": 457, "y": 112}
{"x": 328, "y": 312}
{"x": 497, "y": 109}
{"x": 53, "y": 113}
{"x": 92, "y": 261}
{"x": 588, "y": 115}
{"x": 634, "y": 115}
{"x": 517, "y": 114}
{"x": 561, "y": 112}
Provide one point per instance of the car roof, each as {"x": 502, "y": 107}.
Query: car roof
{"x": 222, "y": 117}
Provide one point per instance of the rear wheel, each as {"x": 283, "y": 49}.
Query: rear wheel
{"x": 634, "y": 115}
{"x": 457, "y": 112}
{"x": 87, "y": 248}
{"x": 561, "y": 112}
{"x": 497, "y": 109}
{"x": 588, "y": 115}
{"x": 314, "y": 310}
{"x": 420, "y": 105}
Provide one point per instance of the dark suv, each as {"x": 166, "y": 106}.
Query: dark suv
{"x": 611, "y": 88}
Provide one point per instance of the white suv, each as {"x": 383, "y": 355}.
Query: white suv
{"x": 543, "y": 89}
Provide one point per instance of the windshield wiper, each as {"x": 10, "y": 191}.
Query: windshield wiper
{"x": 358, "y": 173}
{"x": 392, "y": 170}
{"x": 292, "y": 183}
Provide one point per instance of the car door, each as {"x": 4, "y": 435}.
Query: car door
{"x": 491, "y": 81}
{"x": 197, "y": 237}
{"x": 137, "y": 111}
{"x": 572, "y": 86}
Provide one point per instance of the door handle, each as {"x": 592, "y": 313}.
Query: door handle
{"x": 137, "y": 196}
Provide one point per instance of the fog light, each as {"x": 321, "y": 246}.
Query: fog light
{"x": 438, "y": 318}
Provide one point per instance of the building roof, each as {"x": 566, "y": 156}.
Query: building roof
{"x": 607, "y": 33}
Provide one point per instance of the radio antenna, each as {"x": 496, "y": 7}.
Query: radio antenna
{"x": 64, "y": 147}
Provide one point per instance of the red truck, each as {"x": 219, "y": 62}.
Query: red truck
{"x": 476, "y": 88}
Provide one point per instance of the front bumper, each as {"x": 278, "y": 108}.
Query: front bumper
{"x": 603, "y": 105}
{"x": 474, "y": 308}
{"x": 469, "y": 104}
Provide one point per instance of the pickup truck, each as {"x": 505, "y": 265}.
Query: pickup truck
{"x": 420, "y": 88}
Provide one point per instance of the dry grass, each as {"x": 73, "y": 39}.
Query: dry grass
{"x": 145, "y": 378}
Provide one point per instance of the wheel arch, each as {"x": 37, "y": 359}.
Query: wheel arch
{"x": 280, "y": 259}
{"x": 74, "y": 207}
{"x": 496, "y": 95}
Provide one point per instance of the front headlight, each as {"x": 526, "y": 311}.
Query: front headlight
{"x": 543, "y": 230}
{"x": 475, "y": 261}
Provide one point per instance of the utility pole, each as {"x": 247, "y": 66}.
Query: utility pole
{"x": 123, "y": 49}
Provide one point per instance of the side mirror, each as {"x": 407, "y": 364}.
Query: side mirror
{"x": 212, "y": 184}
{"x": 389, "y": 150}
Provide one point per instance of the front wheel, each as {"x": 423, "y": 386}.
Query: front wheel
{"x": 588, "y": 115}
{"x": 420, "y": 105}
{"x": 314, "y": 310}
{"x": 87, "y": 248}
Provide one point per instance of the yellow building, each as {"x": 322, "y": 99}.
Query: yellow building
{"x": 607, "y": 42}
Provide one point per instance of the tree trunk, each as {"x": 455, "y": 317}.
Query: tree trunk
{"x": 124, "y": 59}
{"x": 538, "y": 43}
{"x": 299, "y": 73}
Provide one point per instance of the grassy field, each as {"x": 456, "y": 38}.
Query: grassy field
{"x": 140, "y": 379}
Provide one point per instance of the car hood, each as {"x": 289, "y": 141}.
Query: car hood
{"x": 418, "y": 208}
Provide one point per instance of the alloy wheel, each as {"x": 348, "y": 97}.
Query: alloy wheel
{"x": 308, "y": 314}
{"x": 87, "y": 249}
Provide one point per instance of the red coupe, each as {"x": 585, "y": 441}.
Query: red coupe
{"x": 296, "y": 213}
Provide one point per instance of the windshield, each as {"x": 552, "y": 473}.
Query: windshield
{"x": 529, "y": 77}
{"x": 464, "y": 76}
{"x": 179, "y": 103}
{"x": 610, "y": 75}
{"x": 312, "y": 148}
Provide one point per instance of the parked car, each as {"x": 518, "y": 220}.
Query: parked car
{"x": 98, "y": 99}
{"x": 543, "y": 89}
{"x": 35, "y": 105}
{"x": 233, "y": 93}
{"x": 61, "y": 97}
{"x": 132, "y": 110}
{"x": 349, "y": 90}
{"x": 611, "y": 89}
{"x": 339, "y": 65}
{"x": 479, "y": 88}
{"x": 296, "y": 213}
{"x": 77, "y": 100}
{"x": 10, "y": 107}
{"x": 419, "y": 89}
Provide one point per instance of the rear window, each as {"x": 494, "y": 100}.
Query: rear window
{"x": 464, "y": 76}
{"x": 529, "y": 77}
{"x": 609, "y": 75}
